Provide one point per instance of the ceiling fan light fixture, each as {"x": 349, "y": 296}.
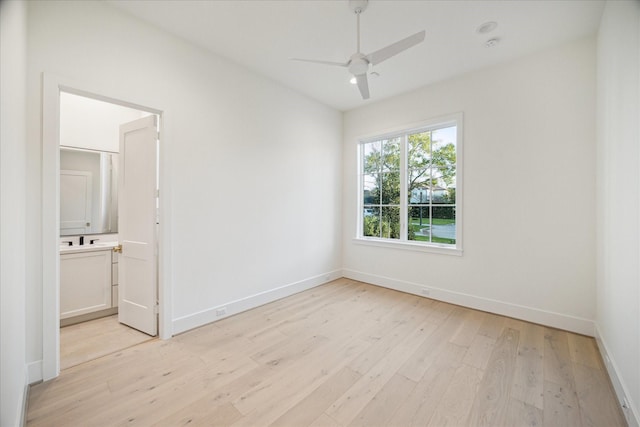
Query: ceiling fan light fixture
{"x": 492, "y": 42}
{"x": 353, "y": 80}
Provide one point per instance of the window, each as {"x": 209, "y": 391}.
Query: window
{"x": 410, "y": 186}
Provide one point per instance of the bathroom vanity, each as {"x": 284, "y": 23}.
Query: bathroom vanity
{"x": 88, "y": 282}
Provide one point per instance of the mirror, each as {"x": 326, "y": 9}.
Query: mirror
{"x": 88, "y": 192}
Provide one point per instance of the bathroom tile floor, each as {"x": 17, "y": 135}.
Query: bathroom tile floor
{"x": 90, "y": 340}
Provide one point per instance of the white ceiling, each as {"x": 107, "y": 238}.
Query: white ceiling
{"x": 263, "y": 34}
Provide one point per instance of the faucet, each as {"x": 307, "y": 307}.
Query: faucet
{"x": 81, "y": 240}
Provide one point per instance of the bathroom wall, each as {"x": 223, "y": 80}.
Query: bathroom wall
{"x": 252, "y": 169}
{"x": 93, "y": 124}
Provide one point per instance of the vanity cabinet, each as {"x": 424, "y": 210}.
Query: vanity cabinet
{"x": 85, "y": 282}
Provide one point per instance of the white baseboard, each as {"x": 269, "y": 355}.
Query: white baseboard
{"x": 209, "y": 315}
{"x": 25, "y": 406}
{"x": 631, "y": 412}
{"x": 34, "y": 372}
{"x": 542, "y": 317}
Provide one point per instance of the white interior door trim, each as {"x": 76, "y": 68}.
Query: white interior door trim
{"x": 52, "y": 85}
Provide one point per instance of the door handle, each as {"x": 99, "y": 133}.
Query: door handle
{"x": 118, "y": 249}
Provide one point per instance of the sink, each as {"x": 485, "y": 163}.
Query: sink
{"x": 98, "y": 246}
{"x": 104, "y": 244}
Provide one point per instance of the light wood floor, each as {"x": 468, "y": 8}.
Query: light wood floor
{"x": 90, "y": 340}
{"x": 345, "y": 353}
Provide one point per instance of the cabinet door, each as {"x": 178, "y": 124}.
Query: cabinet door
{"x": 85, "y": 283}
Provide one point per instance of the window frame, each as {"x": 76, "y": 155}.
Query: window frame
{"x": 403, "y": 132}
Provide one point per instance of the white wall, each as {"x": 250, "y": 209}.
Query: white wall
{"x": 529, "y": 190}
{"x": 618, "y": 190}
{"x": 13, "y": 66}
{"x": 92, "y": 124}
{"x": 253, "y": 168}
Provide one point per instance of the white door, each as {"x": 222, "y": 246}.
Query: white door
{"x": 137, "y": 266}
{"x": 75, "y": 202}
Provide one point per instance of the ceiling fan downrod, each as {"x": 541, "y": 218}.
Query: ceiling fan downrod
{"x": 358, "y": 6}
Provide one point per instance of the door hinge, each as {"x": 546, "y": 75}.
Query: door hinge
{"x": 156, "y": 309}
{"x": 158, "y": 193}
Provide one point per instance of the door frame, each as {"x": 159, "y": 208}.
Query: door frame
{"x": 52, "y": 86}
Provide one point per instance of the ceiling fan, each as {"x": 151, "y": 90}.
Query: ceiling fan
{"x": 358, "y": 63}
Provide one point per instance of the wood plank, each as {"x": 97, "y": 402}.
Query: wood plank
{"x": 420, "y": 360}
{"x": 202, "y": 414}
{"x": 268, "y": 399}
{"x": 492, "y": 400}
{"x": 314, "y": 405}
{"x": 149, "y": 402}
{"x": 363, "y": 363}
{"x": 380, "y": 409}
{"x": 347, "y": 407}
{"x": 442, "y": 311}
{"x": 421, "y": 403}
{"x": 464, "y": 336}
{"x": 528, "y": 381}
{"x": 584, "y": 350}
{"x": 596, "y": 398}
{"x": 64, "y": 406}
{"x": 523, "y": 415}
{"x": 557, "y": 359}
{"x": 561, "y": 408}
{"x": 453, "y": 409}
{"x": 479, "y": 351}
{"x": 324, "y": 421}
{"x": 492, "y": 325}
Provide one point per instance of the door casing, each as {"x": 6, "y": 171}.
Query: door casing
{"x": 52, "y": 86}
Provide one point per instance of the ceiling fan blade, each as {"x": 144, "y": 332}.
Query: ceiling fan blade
{"x": 395, "y": 48}
{"x": 363, "y": 85}
{"x": 339, "y": 64}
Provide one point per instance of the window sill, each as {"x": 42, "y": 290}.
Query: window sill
{"x": 418, "y": 247}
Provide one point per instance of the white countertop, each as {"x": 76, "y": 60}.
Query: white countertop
{"x": 104, "y": 246}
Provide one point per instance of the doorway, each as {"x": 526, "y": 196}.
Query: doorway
{"x": 92, "y": 317}
{"x": 54, "y": 87}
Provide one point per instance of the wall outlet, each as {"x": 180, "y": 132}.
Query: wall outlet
{"x": 221, "y": 311}
{"x": 426, "y": 292}
{"x": 625, "y": 403}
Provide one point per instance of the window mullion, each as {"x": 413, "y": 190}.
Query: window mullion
{"x": 431, "y": 186}
{"x": 380, "y": 172}
{"x": 404, "y": 226}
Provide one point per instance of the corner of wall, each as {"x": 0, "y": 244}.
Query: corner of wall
{"x": 631, "y": 413}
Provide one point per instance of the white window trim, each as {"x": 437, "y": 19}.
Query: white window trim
{"x": 452, "y": 119}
